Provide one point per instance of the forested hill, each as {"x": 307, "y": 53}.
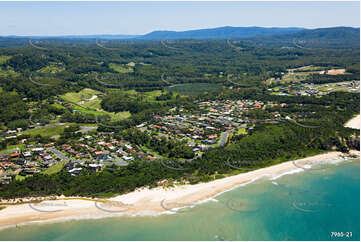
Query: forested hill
{"x": 336, "y": 37}
{"x": 218, "y": 33}
{"x": 314, "y": 38}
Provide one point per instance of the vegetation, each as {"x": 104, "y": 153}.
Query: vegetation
{"x": 87, "y": 84}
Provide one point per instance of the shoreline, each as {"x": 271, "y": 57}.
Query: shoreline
{"x": 151, "y": 202}
{"x": 354, "y": 122}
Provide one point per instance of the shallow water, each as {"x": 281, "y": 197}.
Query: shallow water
{"x": 307, "y": 205}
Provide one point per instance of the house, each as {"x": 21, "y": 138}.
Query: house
{"x": 149, "y": 157}
{"x": 75, "y": 171}
{"x": 5, "y": 180}
{"x": 27, "y": 154}
{"x": 95, "y": 167}
{"x": 127, "y": 158}
{"x": 196, "y": 150}
{"x": 31, "y": 170}
{"x": 14, "y": 155}
{"x": 99, "y": 153}
{"x": 69, "y": 165}
{"x": 37, "y": 150}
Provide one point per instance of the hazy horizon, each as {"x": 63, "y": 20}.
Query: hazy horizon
{"x": 139, "y": 18}
{"x": 66, "y": 35}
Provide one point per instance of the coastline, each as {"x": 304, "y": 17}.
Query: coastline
{"x": 354, "y": 123}
{"x": 148, "y": 202}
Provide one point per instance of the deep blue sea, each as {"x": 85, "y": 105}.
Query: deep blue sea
{"x": 308, "y": 205}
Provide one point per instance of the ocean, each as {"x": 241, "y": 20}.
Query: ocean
{"x": 318, "y": 204}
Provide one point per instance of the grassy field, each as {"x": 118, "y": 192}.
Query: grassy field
{"x": 47, "y": 131}
{"x": 5, "y": 73}
{"x": 309, "y": 68}
{"x": 11, "y": 147}
{"x": 55, "y": 105}
{"x": 87, "y": 101}
{"x": 241, "y": 131}
{"x": 151, "y": 96}
{"x": 333, "y": 87}
{"x": 193, "y": 88}
{"x": 55, "y": 168}
{"x": 299, "y": 74}
{"x": 120, "y": 68}
{"x": 4, "y": 58}
{"x": 21, "y": 178}
{"x": 83, "y": 95}
{"x": 101, "y": 112}
{"x": 51, "y": 69}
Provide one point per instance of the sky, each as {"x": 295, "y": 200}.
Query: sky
{"x": 84, "y": 18}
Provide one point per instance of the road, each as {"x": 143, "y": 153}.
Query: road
{"x": 224, "y": 138}
{"x": 59, "y": 154}
{"x": 84, "y": 129}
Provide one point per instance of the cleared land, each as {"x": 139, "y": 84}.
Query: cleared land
{"x": 88, "y": 101}
{"x": 55, "y": 168}
{"x": 121, "y": 68}
{"x": 4, "y": 58}
{"x": 46, "y": 131}
{"x": 336, "y": 71}
{"x": 51, "y": 69}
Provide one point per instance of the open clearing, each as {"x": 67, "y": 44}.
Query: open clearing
{"x": 46, "y": 131}
{"x": 4, "y": 58}
{"x": 55, "y": 168}
{"x": 336, "y": 71}
{"x": 88, "y": 101}
{"x": 51, "y": 69}
{"x": 121, "y": 68}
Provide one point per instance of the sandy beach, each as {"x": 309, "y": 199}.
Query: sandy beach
{"x": 354, "y": 123}
{"x": 149, "y": 201}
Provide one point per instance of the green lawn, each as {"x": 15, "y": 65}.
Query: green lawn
{"x": 4, "y": 58}
{"x": 81, "y": 103}
{"x": 55, "y": 168}
{"x": 51, "y": 69}
{"x": 20, "y": 178}
{"x": 333, "y": 87}
{"x": 11, "y": 147}
{"x": 241, "y": 131}
{"x": 152, "y": 95}
{"x": 120, "y": 68}
{"x": 101, "y": 112}
{"x": 301, "y": 73}
{"x": 77, "y": 97}
{"x": 9, "y": 72}
{"x": 47, "y": 131}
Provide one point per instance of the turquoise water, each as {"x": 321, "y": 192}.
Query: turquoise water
{"x": 302, "y": 206}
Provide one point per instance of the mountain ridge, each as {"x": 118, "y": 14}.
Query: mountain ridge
{"x": 225, "y": 32}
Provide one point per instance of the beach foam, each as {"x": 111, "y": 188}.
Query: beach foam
{"x": 147, "y": 202}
